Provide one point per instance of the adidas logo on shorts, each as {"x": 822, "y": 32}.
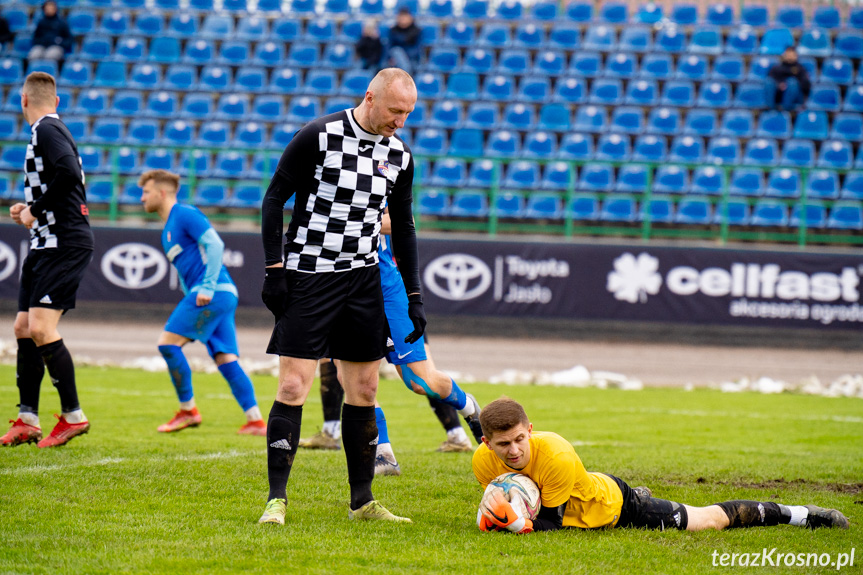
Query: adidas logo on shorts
{"x": 46, "y": 299}
{"x": 281, "y": 444}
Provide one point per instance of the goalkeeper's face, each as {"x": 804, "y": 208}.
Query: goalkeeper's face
{"x": 512, "y": 446}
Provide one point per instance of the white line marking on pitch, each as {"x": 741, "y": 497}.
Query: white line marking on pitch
{"x": 117, "y": 460}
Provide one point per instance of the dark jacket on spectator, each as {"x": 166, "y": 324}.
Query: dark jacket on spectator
{"x": 6, "y": 34}
{"x": 53, "y": 31}
{"x": 370, "y": 50}
{"x": 406, "y": 38}
{"x": 781, "y": 71}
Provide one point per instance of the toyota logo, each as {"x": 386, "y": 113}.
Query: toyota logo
{"x": 7, "y": 261}
{"x": 457, "y": 277}
{"x": 134, "y": 266}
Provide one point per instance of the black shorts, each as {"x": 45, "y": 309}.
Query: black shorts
{"x": 336, "y": 314}
{"x": 50, "y": 278}
{"x": 649, "y": 512}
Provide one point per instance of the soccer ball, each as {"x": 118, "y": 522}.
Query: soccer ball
{"x": 521, "y": 491}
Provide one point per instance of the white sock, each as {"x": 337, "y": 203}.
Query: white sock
{"x": 29, "y": 418}
{"x": 333, "y": 428}
{"x": 386, "y": 449}
{"x": 76, "y": 416}
{"x": 798, "y": 515}
{"x": 468, "y": 409}
{"x": 188, "y": 405}
{"x": 457, "y": 435}
{"x": 254, "y": 414}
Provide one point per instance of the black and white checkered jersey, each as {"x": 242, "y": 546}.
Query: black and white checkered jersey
{"x": 54, "y": 188}
{"x": 342, "y": 177}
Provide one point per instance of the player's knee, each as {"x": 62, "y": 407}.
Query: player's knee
{"x": 21, "y": 329}
{"x": 225, "y": 358}
{"x": 40, "y": 333}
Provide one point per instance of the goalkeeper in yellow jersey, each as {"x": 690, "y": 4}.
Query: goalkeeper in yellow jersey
{"x": 573, "y": 497}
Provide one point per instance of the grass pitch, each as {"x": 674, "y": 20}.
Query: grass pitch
{"x": 126, "y": 499}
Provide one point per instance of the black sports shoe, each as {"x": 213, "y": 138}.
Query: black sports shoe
{"x": 473, "y": 419}
{"x": 822, "y": 517}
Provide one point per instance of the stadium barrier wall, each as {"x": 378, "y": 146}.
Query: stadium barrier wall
{"x": 523, "y": 279}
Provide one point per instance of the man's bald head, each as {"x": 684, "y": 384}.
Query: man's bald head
{"x": 390, "y": 97}
{"x": 385, "y": 79}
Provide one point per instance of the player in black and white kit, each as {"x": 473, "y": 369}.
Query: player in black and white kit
{"x": 325, "y": 292}
{"x": 61, "y": 247}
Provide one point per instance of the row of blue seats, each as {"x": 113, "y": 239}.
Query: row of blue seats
{"x": 637, "y": 178}
{"x": 625, "y": 209}
{"x": 628, "y": 65}
{"x": 236, "y": 6}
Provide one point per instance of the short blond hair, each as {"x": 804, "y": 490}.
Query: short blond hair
{"x": 161, "y": 178}
{"x": 41, "y": 89}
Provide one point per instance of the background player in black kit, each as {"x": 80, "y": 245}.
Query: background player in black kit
{"x": 326, "y": 293}
{"x": 61, "y": 247}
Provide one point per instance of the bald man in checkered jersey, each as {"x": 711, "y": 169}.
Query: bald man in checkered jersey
{"x": 325, "y": 289}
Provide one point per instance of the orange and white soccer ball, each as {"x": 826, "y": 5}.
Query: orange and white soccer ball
{"x": 521, "y": 491}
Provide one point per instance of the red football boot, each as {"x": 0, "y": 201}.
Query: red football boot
{"x": 63, "y": 432}
{"x": 21, "y": 433}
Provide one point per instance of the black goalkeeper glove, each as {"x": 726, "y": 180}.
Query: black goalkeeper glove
{"x": 418, "y": 317}
{"x": 275, "y": 291}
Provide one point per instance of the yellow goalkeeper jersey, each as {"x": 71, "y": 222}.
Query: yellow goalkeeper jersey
{"x": 593, "y": 499}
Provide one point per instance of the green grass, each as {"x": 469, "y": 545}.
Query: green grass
{"x": 125, "y": 499}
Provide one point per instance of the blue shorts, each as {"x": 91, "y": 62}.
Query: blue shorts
{"x": 396, "y": 309}
{"x": 212, "y": 324}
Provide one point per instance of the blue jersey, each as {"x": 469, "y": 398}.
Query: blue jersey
{"x": 195, "y": 250}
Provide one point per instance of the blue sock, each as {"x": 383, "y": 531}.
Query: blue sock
{"x": 178, "y": 367}
{"x": 456, "y": 398}
{"x": 241, "y": 385}
{"x": 380, "y": 418}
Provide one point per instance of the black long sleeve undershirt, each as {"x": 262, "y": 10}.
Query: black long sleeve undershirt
{"x": 404, "y": 235}
{"x": 549, "y": 518}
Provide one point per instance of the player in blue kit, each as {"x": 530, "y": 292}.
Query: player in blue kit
{"x": 206, "y": 313}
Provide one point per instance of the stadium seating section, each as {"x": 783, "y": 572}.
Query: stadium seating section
{"x": 609, "y": 112}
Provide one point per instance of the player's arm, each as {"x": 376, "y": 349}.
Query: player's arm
{"x": 57, "y": 151}
{"x": 386, "y": 225}
{"x": 213, "y": 247}
{"x": 549, "y": 518}
{"x": 404, "y": 243}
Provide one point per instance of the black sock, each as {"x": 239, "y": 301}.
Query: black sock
{"x": 58, "y": 360}
{"x": 30, "y": 371}
{"x": 359, "y": 436}
{"x": 754, "y": 513}
{"x": 332, "y": 393}
{"x": 446, "y": 414}
{"x": 283, "y": 436}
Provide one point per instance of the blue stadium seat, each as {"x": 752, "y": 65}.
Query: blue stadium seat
{"x": 529, "y": 36}
{"x": 446, "y": 114}
{"x": 650, "y": 148}
{"x": 131, "y": 192}
{"x": 758, "y": 68}
{"x": 161, "y": 104}
{"x": 178, "y": 133}
{"x": 210, "y": 193}
{"x": 110, "y": 75}
{"x": 665, "y": 121}
{"x": 459, "y": 34}
{"x": 114, "y": 23}
{"x": 282, "y": 134}
{"x": 613, "y": 148}
{"x": 12, "y": 158}
{"x": 656, "y": 66}
{"x": 621, "y": 65}
{"x": 742, "y": 42}
{"x": 177, "y": 77}
{"x": 216, "y": 27}
{"x": 107, "y": 131}
{"x": 482, "y": 115}
{"x": 286, "y": 81}
{"x": 130, "y": 49}
{"x": 723, "y": 150}
{"x": 614, "y": 13}
{"x": 355, "y": 82}
{"x": 591, "y": 119}
{"x": 303, "y": 55}
{"x": 372, "y": 8}
{"x": 231, "y": 165}
{"x": 816, "y": 215}
{"x": 197, "y": 106}
{"x": 769, "y": 213}
{"x": 783, "y": 183}
{"x": 232, "y": 107}
{"x": 302, "y": 8}
{"x": 837, "y": 70}
{"x": 99, "y": 191}
{"x": 635, "y": 39}
{"x": 855, "y": 18}
{"x": 521, "y": 175}
{"x": 214, "y": 134}
{"x": 670, "y": 39}
{"x": 618, "y": 208}
{"x": 269, "y": 54}
{"x": 482, "y": 174}
{"x": 549, "y": 62}
{"x": 815, "y": 42}
{"x": 503, "y": 143}
{"x": 142, "y": 132}
{"x": 775, "y": 41}
{"x": 510, "y": 204}
{"x": 746, "y": 182}
{"x": 579, "y": 12}
{"x": 761, "y": 152}
{"x": 736, "y": 212}
{"x": 62, "y": 93}
{"x": 728, "y": 68}
{"x": 510, "y": 10}
{"x": 812, "y": 125}
{"x": 557, "y": 176}
{"x": 658, "y": 210}
{"x": 285, "y": 30}
{"x": 544, "y": 205}
{"x": 74, "y": 75}
{"x": 706, "y": 40}
{"x": 687, "y": 149}
{"x": 694, "y": 211}
{"x": 158, "y": 159}
{"x": 798, "y": 153}
{"x": 251, "y": 79}
{"x": 146, "y": 76}
{"x": 336, "y": 7}
{"x": 8, "y": 126}
{"x": 596, "y": 178}
{"x": 678, "y": 93}
{"x": 854, "y": 99}
{"x": 252, "y": 28}
{"x": 586, "y": 64}
{"x": 81, "y": 22}
{"x": 303, "y": 109}
{"x": 606, "y": 92}
{"x": 825, "y": 97}
{"x": 822, "y": 185}
{"x": 430, "y": 141}
{"x": 432, "y": 202}
{"x": 632, "y": 179}
{"x": 836, "y": 154}
{"x": 128, "y": 162}
{"x": 790, "y": 16}
{"x": 494, "y": 36}
{"x": 499, "y": 88}
{"x": 534, "y": 89}
{"x": 721, "y": 15}
{"x": 847, "y": 126}
{"x": 320, "y": 82}
{"x": 469, "y": 204}
{"x": 852, "y": 187}
{"x": 563, "y": 37}
{"x": 165, "y": 50}
{"x": 337, "y": 104}
{"x": 441, "y": 9}
{"x": 429, "y": 86}
{"x": 478, "y": 61}
{"x": 684, "y": 14}
{"x": 749, "y": 95}
{"x": 513, "y": 61}
{"x": 584, "y": 207}
{"x": 182, "y": 25}
{"x": 693, "y": 67}
{"x": 576, "y": 147}
{"x": 202, "y": 5}
{"x": 714, "y": 95}
{"x": 846, "y": 215}
{"x": 95, "y": 47}
{"x": 570, "y": 91}
{"x": 539, "y": 144}
{"x": 231, "y": 53}
{"x": 649, "y": 13}
{"x": 431, "y": 35}
{"x": 737, "y": 124}
{"x": 127, "y": 103}
{"x": 627, "y": 120}
{"x": 518, "y": 117}
{"x": 462, "y": 86}
{"x": 600, "y": 38}
{"x": 701, "y": 122}
{"x": 544, "y": 11}
{"x": 91, "y": 102}
{"x": 216, "y": 78}
{"x": 444, "y": 58}
{"x": 448, "y": 173}
{"x": 708, "y": 180}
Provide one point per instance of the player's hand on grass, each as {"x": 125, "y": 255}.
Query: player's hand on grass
{"x": 497, "y": 511}
{"x": 417, "y": 315}
{"x": 275, "y": 290}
